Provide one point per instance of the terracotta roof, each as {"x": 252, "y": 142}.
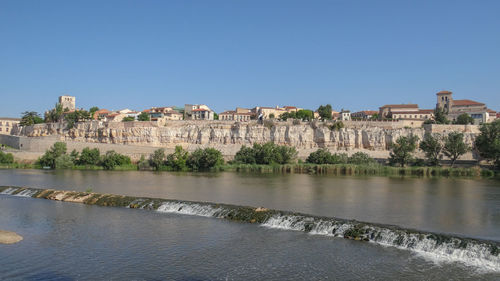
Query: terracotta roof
{"x": 444, "y": 93}
{"x": 491, "y": 111}
{"x": 291, "y": 107}
{"x": 367, "y": 112}
{"x": 113, "y": 115}
{"x": 409, "y": 105}
{"x": 426, "y": 110}
{"x": 465, "y": 102}
{"x": 146, "y": 110}
{"x": 200, "y": 109}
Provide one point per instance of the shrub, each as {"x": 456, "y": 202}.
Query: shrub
{"x": 204, "y": 159}
{"x": 89, "y": 156}
{"x": 360, "y": 158}
{"x": 246, "y": 155}
{"x": 112, "y": 159}
{"x": 49, "y": 158}
{"x": 143, "y": 164}
{"x": 177, "y": 160}
{"x": 6, "y": 158}
{"x": 269, "y": 153}
{"x": 323, "y": 156}
{"x": 157, "y": 158}
{"x": 64, "y": 161}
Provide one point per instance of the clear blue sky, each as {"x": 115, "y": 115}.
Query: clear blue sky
{"x": 352, "y": 54}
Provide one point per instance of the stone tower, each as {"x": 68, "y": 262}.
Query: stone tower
{"x": 444, "y": 100}
{"x": 68, "y": 102}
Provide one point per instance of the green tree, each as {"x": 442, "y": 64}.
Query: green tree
{"x": 216, "y": 116}
{"x": 89, "y": 156}
{"x": 271, "y": 116}
{"x": 64, "y": 161}
{"x": 432, "y": 147}
{"x": 50, "y": 156}
{"x": 325, "y": 112}
{"x": 6, "y": 158}
{"x": 128, "y": 119}
{"x": 30, "y": 118}
{"x": 144, "y": 116}
{"x": 440, "y": 116}
{"x": 92, "y": 111}
{"x": 305, "y": 115}
{"x": 360, "y": 158}
{"x": 177, "y": 160}
{"x": 454, "y": 146}
{"x": 112, "y": 159}
{"x": 402, "y": 150}
{"x": 204, "y": 159}
{"x": 245, "y": 155}
{"x": 76, "y": 116}
{"x": 157, "y": 158}
{"x": 464, "y": 119}
{"x": 55, "y": 114}
{"x": 488, "y": 142}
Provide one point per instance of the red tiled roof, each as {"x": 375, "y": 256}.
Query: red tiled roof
{"x": 146, "y": 110}
{"x": 200, "y": 109}
{"x": 401, "y": 105}
{"x": 291, "y": 107}
{"x": 443, "y": 93}
{"x": 465, "y": 102}
{"x": 491, "y": 111}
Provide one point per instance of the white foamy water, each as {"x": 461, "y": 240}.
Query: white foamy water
{"x": 189, "y": 209}
{"x": 472, "y": 253}
{"x": 8, "y": 191}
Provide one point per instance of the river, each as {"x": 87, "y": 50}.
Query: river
{"x": 88, "y": 242}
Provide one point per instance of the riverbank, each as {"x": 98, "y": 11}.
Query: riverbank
{"x": 305, "y": 168}
{"x": 477, "y": 252}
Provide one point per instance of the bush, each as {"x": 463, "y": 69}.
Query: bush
{"x": 50, "y": 156}
{"x": 143, "y": 164}
{"x": 177, "y": 160}
{"x": 6, "y": 158}
{"x": 205, "y": 159}
{"x": 157, "y": 158}
{"x": 267, "y": 153}
{"x": 246, "y": 155}
{"x": 64, "y": 161}
{"x": 112, "y": 159}
{"x": 323, "y": 156}
{"x": 360, "y": 158}
{"x": 89, "y": 157}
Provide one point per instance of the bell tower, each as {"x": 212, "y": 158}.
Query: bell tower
{"x": 444, "y": 100}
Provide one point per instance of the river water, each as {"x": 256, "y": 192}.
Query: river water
{"x": 65, "y": 241}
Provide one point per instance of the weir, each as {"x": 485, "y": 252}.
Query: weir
{"x": 484, "y": 254}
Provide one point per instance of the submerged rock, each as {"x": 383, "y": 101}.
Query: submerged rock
{"x": 8, "y": 237}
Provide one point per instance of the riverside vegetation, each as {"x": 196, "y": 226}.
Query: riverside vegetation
{"x": 270, "y": 157}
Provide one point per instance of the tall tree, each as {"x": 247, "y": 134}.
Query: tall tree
{"x": 402, "y": 150}
{"x": 488, "y": 142}
{"x": 144, "y": 116}
{"x": 464, "y": 119}
{"x": 30, "y": 118}
{"x": 454, "y": 146}
{"x": 325, "y": 112}
{"x": 432, "y": 147}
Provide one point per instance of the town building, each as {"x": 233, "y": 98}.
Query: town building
{"x": 198, "y": 112}
{"x": 345, "y": 115}
{"x": 101, "y": 114}
{"x": 454, "y": 108}
{"x": 364, "y": 115}
{"x": 388, "y": 110}
{"x": 421, "y": 114}
{"x": 68, "y": 103}
{"x": 7, "y": 124}
{"x": 231, "y": 115}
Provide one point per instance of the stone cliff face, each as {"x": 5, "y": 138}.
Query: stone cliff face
{"x": 222, "y": 133}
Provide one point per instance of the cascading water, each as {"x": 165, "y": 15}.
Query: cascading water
{"x": 438, "y": 247}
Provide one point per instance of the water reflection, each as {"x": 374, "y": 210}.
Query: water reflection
{"x": 461, "y": 206}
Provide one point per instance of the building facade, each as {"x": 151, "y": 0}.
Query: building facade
{"x": 364, "y": 115}
{"x": 454, "y": 108}
{"x": 388, "y": 110}
{"x": 7, "y": 123}
{"x": 198, "y": 112}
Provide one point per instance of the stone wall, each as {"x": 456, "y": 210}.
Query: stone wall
{"x": 141, "y": 138}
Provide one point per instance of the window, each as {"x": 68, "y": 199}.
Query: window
{"x": 6, "y": 129}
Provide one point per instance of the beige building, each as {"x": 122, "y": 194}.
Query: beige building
{"x": 7, "y": 123}
{"x": 421, "y": 114}
{"x": 345, "y": 115}
{"x": 388, "y": 110}
{"x": 67, "y": 102}
{"x": 198, "y": 112}
{"x": 454, "y": 108}
{"x": 235, "y": 116}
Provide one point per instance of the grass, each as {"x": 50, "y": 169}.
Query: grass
{"x": 320, "y": 169}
